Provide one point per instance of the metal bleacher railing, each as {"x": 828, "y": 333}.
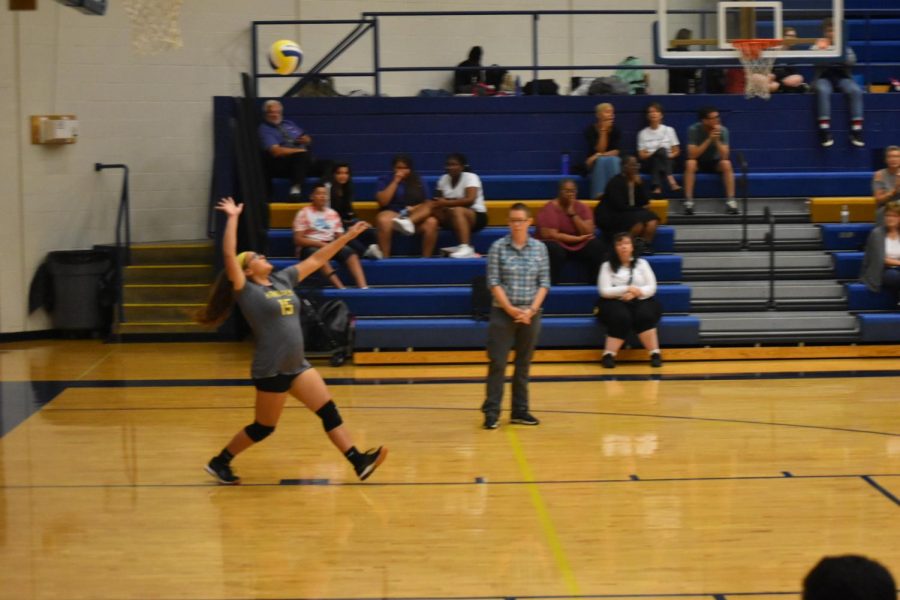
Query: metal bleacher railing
{"x": 370, "y": 22}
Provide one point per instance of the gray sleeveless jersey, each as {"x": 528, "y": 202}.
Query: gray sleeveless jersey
{"x": 274, "y": 315}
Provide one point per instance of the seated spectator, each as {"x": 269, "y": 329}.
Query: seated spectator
{"x": 627, "y": 286}
{"x": 785, "y": 79}
{"x": 837, "y": 76}
{"x": 396, "y": 194}
{"x": 624, "y": 207}
{"x": 708, "y": 151}
{"x": 458, "y": 203}
{"x": 881, "y": 263}
{"x": 657, "y": 147}
{"x": 340, "y": 198}
{"x": 886, "y": 182}
{"x": 603, "y": 139}
{"x": 566, "y": 226}
{"x": 315, "y": 226}
{"x": 468, "y": 73}
{"x": 684, "y": 80}
{"x": 286, "y": 150}
{"x": 849, "y": 577}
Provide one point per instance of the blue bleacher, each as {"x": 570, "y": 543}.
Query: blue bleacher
{"x": 879, "y": 327}
{"x": 437, "y": 301}
{"x": 556, "y": 332}
{"x": 859, "y": 297}
{"x": 845, "y": 236}
{"x": 847, "y": 264}
{"x": 460, "y": 271}
{"x": 281, "y": 241}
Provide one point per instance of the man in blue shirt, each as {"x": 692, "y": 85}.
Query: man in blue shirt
{"x": 518, "y": 275}
{"x": 286, "y": 149}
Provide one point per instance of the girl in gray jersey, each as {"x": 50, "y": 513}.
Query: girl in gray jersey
{"x": 279, "y": 368}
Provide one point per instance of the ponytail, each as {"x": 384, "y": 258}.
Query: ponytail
{"x": 218, "y": 304}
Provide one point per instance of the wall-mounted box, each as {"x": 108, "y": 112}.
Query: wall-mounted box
{"x": 54, "y": 129}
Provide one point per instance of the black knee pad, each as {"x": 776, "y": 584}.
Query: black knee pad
{"x": 331, "y": 418}
{"x": 258, "y": 432}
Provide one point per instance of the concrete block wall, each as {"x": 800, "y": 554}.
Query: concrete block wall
{"x": 154, "y": 113}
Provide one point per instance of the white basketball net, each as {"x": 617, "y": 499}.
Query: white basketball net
{"x": 154, "y": 25}
{"x": 758, "y": 65}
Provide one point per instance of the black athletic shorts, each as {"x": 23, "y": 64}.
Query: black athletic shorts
{"x": 277, "y": 384}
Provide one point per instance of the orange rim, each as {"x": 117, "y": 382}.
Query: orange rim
{"x": 751, "y": 49}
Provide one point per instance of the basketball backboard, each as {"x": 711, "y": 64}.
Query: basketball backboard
{"x": 702, "y": 31}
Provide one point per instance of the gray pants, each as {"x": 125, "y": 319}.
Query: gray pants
{"x": 503, "y": 334}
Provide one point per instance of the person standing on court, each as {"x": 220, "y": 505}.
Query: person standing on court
{"x": 279, "y": 368}
{"x": 518, "y": 276}
{"x": 708, "y": 152}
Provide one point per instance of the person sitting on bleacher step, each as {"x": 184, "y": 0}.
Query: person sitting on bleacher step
{"x": 286, "y": 150}
{"x": 340, "y": 197}
{"x": 566, "y": 226}
{"x": 881, "y": 263}
{"x": 708, "y": 150}
{"x": 316, "y": 226}
{"x": 397, "y": 194}
{"x": 886, "y": 182}
{"x": 624, "y": 208}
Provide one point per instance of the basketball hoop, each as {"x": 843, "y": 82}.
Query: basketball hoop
{"x": 757, "y": 65}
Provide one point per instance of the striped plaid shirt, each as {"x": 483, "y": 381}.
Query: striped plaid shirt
{"x": 519, "y": 272}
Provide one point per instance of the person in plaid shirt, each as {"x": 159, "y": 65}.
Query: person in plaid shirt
{"x": 518, "y": 276}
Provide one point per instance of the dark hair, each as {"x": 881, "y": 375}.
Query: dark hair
{"x": 341, "y": 193}
{"x": 475, "y": 54}
{"x": 460, "y": 158}
{"x": 564, "y": 181}
{"x": 415, "y": 191}
{"x": 704, "y": 112}
{"x": 614, "y": 261}
{"x": 625, "y": 158}
{"x": 849, "y": 577}
{"x": 317, "y": 185}
{"x": 522, "y": 207}
{"x": 219, "y": 302}
{"x": 826, "y": 23}
{"x": 655, "y": 105}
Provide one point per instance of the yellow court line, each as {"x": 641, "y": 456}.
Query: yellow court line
{"x": 562, "y": 562}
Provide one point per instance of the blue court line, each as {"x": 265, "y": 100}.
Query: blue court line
{"x": 868, "y": 479}
{"x": 633, "y": 479}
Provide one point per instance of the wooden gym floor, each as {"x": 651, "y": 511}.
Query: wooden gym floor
{"x": 715, "y": 480}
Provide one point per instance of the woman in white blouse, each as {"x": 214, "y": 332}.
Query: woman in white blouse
{"x": 657, "y": 147}
{"x": 627, "y": 286}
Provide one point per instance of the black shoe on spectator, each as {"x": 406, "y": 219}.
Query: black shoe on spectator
{"x": 825, "y": 138}
{"x": 656, "y": 359}
{"x": 524, "y": 419}
{"x": 608, "y": 361}
{"x": 856, "y": 138}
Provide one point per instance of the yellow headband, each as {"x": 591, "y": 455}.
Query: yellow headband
{"x": 242, "y": 259}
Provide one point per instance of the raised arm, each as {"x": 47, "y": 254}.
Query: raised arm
{"x": 229, "y": 242}
{"x": 324, "y": 254}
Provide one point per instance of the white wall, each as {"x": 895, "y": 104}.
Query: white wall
{"x": 154, "y": 113}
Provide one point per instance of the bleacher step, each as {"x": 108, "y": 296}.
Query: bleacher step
{"x": 766, "y": 322}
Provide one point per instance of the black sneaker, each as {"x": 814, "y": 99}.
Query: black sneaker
{"x": 491, "y": 421}
{"x": 656, "y": 359}
{"x": 856, "y": 138}
{"x": 688, "y": 207}
{"x": 825, "y": 138}
{"x": 370, "y": 461}
{"x": 524, "y": 419}
{"x": 222, "y": 472}
{"x": 608, "y": 361}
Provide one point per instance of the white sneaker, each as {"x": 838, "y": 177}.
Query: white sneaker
{"x": 404, "y": 226}
{"x": 463, "y": 251}
{"x": 373, "y": 251}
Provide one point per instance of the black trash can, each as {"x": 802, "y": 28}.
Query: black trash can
{"x": 78, "y": 278}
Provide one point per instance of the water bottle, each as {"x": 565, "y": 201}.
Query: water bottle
{"x": 845, "y": 214}
{"x": 518, "y": 86}
{"x": 564, "y": 163}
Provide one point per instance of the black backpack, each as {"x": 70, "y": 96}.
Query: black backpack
{"x": 327, "y": 325}
{"x": 481, "y": 298}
